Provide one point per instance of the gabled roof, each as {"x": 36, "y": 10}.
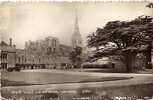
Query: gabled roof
{"x": 2, "y": 43}
{"x": 5, "y": 47}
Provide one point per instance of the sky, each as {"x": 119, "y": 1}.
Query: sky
{"x": 33, "y": 21}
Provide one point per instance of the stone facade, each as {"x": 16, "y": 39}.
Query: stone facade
{"x": 47, "y": 53}
{"x": 8, "y": 55}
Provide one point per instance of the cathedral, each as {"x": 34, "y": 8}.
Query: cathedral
{"x": 76, "y": 38}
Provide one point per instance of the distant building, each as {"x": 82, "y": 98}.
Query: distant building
{"x": 8, "y": 55}
{"x": 76, "y": 38}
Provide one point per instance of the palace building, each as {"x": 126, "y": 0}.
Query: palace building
{"x": 47, "y": 53}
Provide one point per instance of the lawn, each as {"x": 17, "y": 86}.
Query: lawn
{"x": 133, "y": 91}
{"x": 38, "y": 78}
{"x": 34, "y": 78}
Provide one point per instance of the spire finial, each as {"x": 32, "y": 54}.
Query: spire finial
{"x": 76, "y": 18}
{"x": 76, "y": 26}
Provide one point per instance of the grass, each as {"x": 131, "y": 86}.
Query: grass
{"x": 34, "y": 78}
{"x": 137, "y": 91}
{"x": 37, "y": 78}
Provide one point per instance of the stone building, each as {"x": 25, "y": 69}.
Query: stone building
{"x": 8, "y": 55}
{"x": 47, "y": 53}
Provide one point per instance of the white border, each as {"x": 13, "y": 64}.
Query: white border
{"x": 76, "y": 0}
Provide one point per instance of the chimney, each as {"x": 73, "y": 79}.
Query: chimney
{"x": 10, "y": 42}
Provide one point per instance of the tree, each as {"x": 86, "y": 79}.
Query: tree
{"x": 150, "y": 5}
{"x": 76, "y": 57}
{"x": 128, "y": 37}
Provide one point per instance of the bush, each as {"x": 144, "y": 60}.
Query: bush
{"x": 13, "y": 69}
{"x": 96, "y": 65}
{"x": 10, "y": 69}
{"x": 17, "y": 68}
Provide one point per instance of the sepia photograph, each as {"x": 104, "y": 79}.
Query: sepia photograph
{"x": 76, "y": 50}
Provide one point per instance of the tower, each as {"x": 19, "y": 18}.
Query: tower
{"x": 76, "y": 38}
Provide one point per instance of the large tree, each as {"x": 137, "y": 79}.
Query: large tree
{"x": 76, "y": 57}
{"x": 129, "y": 37}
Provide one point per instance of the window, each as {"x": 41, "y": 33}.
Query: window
{"x": 4, "y": 55}
{"x": 25, "y": 60}
{"x": 22, "y": 58}
{"x": 54, "y": 43}
{"x": 39, "y": 60}
{"x": 54, "y": 50}
{"x": 4, "y": 65}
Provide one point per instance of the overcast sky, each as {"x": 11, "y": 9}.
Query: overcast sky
{"x": 32, "y": 21}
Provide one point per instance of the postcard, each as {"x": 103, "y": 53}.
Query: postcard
{"x": 76, "y": 50}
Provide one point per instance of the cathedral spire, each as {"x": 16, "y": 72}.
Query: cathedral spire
{"x": 76, "y": 36}
{"x": 76, "y": 25}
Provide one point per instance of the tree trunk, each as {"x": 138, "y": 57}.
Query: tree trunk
{"x": 148, "y": 57}
{"x": 130, "y": 61}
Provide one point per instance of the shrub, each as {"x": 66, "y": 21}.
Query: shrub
{"x": 17, "y": 68}
{"x": 10, "y": 69}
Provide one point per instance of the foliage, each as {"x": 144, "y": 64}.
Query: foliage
{"x": 128, "y": 37}
{"x": 13, "y": 69}
{"x": 124, "y": 34}
{"x": 150, "y": 5}
{"x": 75, "y": 56}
